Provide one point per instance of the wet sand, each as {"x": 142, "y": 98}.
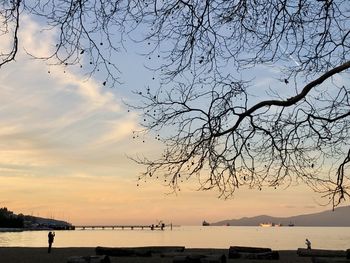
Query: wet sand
{"x": 60, "y": 255}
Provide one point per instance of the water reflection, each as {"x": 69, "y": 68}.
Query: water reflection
{"x": 188, "y": 236}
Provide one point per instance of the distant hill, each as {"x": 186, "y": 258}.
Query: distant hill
{"x": 339, "y": 217}
{"x": 46, "y": 222}
{"x": 8, "y": 219}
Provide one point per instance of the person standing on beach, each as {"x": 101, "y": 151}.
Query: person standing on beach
{"x": 308, "y": 244}
{"x": 51, "y": 237}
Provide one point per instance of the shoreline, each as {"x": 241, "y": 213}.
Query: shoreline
{"x": 19, "y": 229}
{"x": 60, "y": 255}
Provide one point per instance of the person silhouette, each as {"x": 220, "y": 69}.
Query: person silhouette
{"x": 51, "y": 237}
{"x": 308, "y": 243}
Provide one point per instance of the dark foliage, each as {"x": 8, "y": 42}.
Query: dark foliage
{"x": 9, "y": 220}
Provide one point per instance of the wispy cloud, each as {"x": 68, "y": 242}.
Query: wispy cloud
{"x": 63, "y": 146}
{"x": 53, "y": 118}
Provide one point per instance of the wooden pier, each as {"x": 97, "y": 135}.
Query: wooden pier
{"x": 122, "y": 227}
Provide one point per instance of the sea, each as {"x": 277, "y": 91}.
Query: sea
{"x": 279, "y": 238}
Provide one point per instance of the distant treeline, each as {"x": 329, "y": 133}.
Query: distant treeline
{"x": 10, "y": 220}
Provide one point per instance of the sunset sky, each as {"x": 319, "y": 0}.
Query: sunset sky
{"x": 64, "y": 142}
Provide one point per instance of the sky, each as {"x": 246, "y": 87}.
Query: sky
{"x": 64, "y": 147}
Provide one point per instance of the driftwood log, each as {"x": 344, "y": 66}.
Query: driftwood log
{"x": 136, "y": 251}
{"x": 303, "y": 252}
{"x": 237, "y": 251}
{"x": 188, "y": 259}
{"x": 272, "y": 255}
{"x": 122, "y": 252}
{"x": 214, "y": 259}
{"x": 88, "y": 259}
{"x": 330, "y": 260}
{"x": 198, "y": 258}
{"x": 250, "y": 249}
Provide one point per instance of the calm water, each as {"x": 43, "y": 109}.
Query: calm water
{"x": 190, "y": 237}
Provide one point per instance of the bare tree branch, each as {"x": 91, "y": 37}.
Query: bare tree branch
{"x": 292, "y": 100}
{"x": 10, "y": 19}
{"x": 213, "y": 125}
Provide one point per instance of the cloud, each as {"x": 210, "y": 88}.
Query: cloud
{"x": 63, "y": 142}
{"x": 117, "y": 131}
{"x": 52, "y": 119}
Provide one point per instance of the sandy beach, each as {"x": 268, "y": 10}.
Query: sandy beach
{"x": 60, "y": 255}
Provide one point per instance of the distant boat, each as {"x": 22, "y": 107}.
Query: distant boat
{"x": 266, "y": 224}
{"x": 290, "y": 224}
{"x": 205, "y": 223}
{"x": 269, "y": 224}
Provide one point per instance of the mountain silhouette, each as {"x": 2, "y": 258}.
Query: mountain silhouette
{"x": 338, "y": 217}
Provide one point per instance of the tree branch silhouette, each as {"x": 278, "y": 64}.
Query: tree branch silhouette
{"x": 204, "y": 112}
